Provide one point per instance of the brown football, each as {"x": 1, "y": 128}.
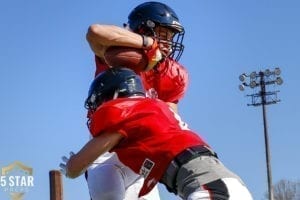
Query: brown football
{"x": 133, "y": 58}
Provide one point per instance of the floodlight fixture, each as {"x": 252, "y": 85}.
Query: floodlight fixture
{"x": 279, "y": 81}
{"x": 242, "y": 87}
{"x": 262, "y": 79}
{"x": 267, "y": 73}
{"x": 242, "y": 77}
{"x": 253, "y": 84}
{"x": 277, "y": 71}
{"x": 253, "y": 75}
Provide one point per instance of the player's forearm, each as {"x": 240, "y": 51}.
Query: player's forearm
{"x": 78, "y": 163}
{"x": 103, "y": 36}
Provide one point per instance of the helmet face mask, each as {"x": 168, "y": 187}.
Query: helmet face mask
{"x": 111, "y": 84}
{"x": 170, "y": 42}
{"x": 149, "y": 17}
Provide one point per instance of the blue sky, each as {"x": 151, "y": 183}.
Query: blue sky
{"x": 47, "y": 66}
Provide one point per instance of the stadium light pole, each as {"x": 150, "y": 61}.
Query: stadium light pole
{"x": 263, "y": 98}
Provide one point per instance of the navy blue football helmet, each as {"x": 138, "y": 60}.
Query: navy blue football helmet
{"x": 147, "y": 16}
{"x": 111, "y": 84}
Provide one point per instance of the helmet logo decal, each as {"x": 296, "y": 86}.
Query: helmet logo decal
{"x": 150, "y": 24}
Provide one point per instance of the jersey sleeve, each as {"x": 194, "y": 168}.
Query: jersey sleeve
{"x": 169, "y": 80}
{"x": 116, "y": 116}
{"x": 180, "y": 80}
{"x": 107, "y": 119}
{"x": 100, "y": 65}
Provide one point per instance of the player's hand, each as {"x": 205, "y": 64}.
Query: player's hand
{"x": 63, "y": 165}
{"x": 154, "y": 55}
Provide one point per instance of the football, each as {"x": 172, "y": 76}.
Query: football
{"x": 133, "y": 58}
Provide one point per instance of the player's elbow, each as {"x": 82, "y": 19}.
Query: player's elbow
{"x": 105, "y": 35}
{"x": 93, "y": 32}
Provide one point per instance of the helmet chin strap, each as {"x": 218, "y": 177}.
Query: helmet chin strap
{"x": 116, "y": 94}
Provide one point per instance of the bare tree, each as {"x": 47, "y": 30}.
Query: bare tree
{"x": 286, "y": 190}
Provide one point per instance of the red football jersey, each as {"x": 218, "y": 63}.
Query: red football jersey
{"x": 168, "y": 81}
{"x": 153, "y": 135}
